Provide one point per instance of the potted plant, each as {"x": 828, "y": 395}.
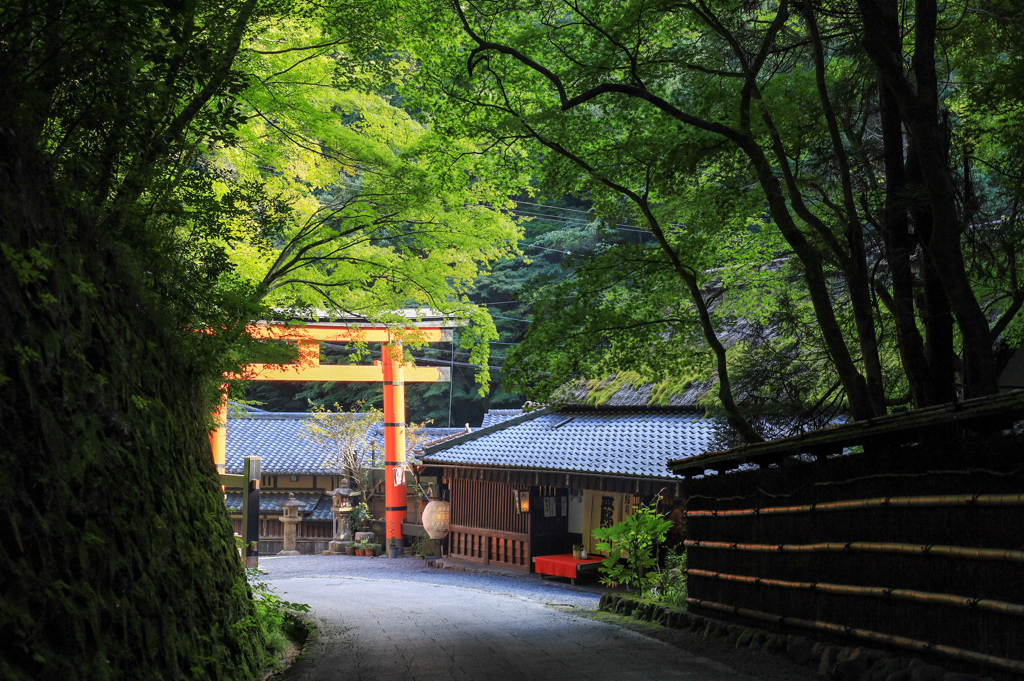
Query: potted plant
{"x": 394, "y": 550}
{"x": 350, "y": 550}
{"x": 361, "y": 517}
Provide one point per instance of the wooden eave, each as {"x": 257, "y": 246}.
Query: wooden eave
{"x": 992, "y": 412}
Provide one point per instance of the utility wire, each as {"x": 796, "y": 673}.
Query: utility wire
{"x": 544, "y": 205}
{"x": 545, "y": 248}
{"x": 449, "y": 362}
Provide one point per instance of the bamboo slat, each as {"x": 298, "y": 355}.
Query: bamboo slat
{"x": 877, "y": 502}
{"x": 873, "y": 591}
{"x": 868, "y": 635}
{"x": 873, "y": 547}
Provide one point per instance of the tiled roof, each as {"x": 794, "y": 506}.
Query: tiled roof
{"x": 270, "y": 501}
{"x": 443, "y": 438}
{"x": 494, "y": 416}
{"x": 629, "y": 442}
{"x": 322, "y": 511}
{"x": 430, "y": 433}
{"x": 274, "y": 436}
{"x": 630, "y": 396}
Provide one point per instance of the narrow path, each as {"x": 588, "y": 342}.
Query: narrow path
{"x": 383, "y": 620}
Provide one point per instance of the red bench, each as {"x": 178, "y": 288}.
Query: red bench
{"x": 564, "y": 565}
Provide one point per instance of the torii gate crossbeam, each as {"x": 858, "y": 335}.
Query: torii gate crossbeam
{"x": 390, "y": 371}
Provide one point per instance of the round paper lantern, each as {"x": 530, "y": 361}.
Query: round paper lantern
{"x": 436, "y": 516}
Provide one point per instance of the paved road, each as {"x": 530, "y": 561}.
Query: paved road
{"x": 391, "y": 620}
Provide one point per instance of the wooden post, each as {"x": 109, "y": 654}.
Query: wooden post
{"x": 395, "y": 503}
{"x": 251, "y": 511}
{"x": 219, "y": 434}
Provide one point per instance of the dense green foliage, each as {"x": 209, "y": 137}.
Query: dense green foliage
{"x": 670, "y": 584}
{"x": 270, "y": 613}
{"x": 631, "y": 548}
{"x": 802, "y": 207}
{"x": 117, "y": 553}
{"x": 552, "y": 232}
{"x": 836, "y": 176}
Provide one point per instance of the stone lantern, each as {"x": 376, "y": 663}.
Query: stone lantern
{"x": 290, "y": 519}
{"x": 341, "y": 507}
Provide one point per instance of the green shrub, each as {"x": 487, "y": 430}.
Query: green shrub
{"x": 631, "y": 547}
{"x": 425, "y": 546}
{"x": 670, "y": 585}
{"x": 269, "y": 614}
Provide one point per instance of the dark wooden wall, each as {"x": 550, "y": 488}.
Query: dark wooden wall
{"x": 895, "y": 542}
{"x": 486, "y": 526}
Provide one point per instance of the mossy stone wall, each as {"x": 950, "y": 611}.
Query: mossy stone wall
{"x": 116, "y": 554}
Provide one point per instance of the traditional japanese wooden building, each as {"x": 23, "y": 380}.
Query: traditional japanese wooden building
{"x": 291, "y": 464}
{"x": 537, "y": 483}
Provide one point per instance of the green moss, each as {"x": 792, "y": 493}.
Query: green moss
{"x": 116, "y": 552}
{"x": 599, "y": 391}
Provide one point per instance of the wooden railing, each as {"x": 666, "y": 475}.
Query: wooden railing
{"x": 490, "y": 547}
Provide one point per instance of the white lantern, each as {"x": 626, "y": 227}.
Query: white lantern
{"x": 436, "y": 517}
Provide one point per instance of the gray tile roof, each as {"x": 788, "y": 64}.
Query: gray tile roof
{"x": 274, "y": 436}
{"x": 271, "y": 500}
{"x": 628, "y": 442}
{"x": 629, "y": 396}
{"x": 494, "y": 416}
{"x": 322, "y": 511}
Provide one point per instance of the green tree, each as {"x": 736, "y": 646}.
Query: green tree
{"x": 810, "y": 107}
{"x": 127, "y": 213}
{"x": 341, "y": 438}
{"x": 361, "y": 209}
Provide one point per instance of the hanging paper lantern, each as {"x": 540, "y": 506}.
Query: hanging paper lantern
{"x": 436, "y": 517}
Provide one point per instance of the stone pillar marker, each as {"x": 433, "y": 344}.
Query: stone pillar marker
{"x": 341, "y": 506}
{"x": 290, "y": 519}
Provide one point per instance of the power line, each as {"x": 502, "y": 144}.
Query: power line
{"x": 528, "y": 321}
{"x": 620, "y": 226}
{"x": 544, "y": 205}
{"x": 449, "y": 362}
{"x": 545, "y": 248}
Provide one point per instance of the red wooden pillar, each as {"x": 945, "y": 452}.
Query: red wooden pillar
{"x": 395, "y": 508}
{"x": 219, "y": 435}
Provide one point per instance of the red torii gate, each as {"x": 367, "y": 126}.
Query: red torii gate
{"x": 389, "y": 370}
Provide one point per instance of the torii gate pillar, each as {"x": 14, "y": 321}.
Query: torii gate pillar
{"x": 395, "y": 504}
{"x": 390, "y": 369}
